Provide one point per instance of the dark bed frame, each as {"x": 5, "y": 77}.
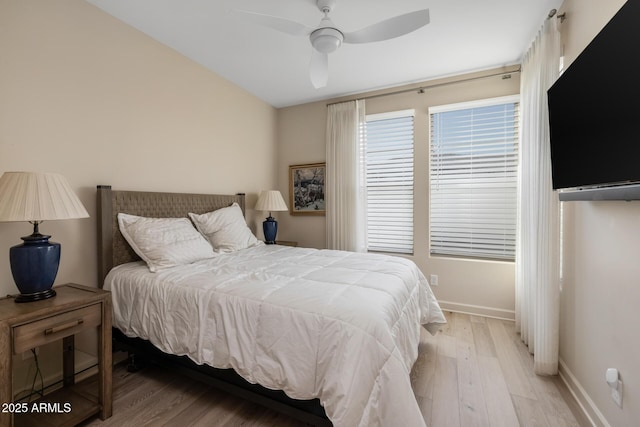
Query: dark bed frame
{"x": 113, "y": 250}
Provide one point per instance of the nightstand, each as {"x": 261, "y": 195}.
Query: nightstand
{"x": 24, "y": 326}
{"x": 286, "y": 243}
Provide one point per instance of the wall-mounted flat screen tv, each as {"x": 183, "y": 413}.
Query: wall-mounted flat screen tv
{"x": 594, "y": 115}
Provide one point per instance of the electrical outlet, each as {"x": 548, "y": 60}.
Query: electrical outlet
{"x": 616, "y": 394}
{"x": 433, "y": 280}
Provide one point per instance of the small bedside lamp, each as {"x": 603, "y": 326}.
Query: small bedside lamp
{"x": 36, "y": 197}
{"x": 270, "y": 201}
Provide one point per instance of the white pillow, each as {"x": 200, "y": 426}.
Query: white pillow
{"x": 164, "y": 242}
{"x": 225, "y": 229}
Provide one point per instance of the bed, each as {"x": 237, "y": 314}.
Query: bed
{"x": 328, "y": 337}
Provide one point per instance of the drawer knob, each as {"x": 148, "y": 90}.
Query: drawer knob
{"x": 63, "y": 326}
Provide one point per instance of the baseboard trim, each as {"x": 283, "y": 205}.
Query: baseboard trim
{"x": 588, "y": 407}
{"x": 477, "y": 310}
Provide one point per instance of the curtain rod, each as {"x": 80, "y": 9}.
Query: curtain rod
{"x": 505, "y": 75}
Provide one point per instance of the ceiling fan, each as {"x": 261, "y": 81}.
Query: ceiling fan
{"x": 326, "y": 38}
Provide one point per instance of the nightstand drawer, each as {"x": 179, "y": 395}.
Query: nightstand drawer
{"x": 53, "y": 328}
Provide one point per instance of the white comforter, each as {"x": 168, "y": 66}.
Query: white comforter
{"x": 340, "y": 326}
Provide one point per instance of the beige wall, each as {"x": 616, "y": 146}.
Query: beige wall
{"x": 465, "y": 285}
{"x": 601, "y": 292}
{"x": 301, "y": 132}
{"x": 83, "y": 94}
{"x": 87, "y": 96}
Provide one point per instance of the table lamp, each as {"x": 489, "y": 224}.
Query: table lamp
{"x": 270, "y": 201}
{"x": 36, "y": 197}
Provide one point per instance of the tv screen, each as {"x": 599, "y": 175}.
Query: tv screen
{"x": 594, "y": 112}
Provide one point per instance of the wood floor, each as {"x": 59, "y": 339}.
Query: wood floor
{"x": 475, "y": 373}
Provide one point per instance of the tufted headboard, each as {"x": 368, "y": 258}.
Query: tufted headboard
{"x": 113, "y": 249}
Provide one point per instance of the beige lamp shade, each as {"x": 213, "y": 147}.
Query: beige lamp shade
{"x": 271, "y": 201}
{"x": 35, "y": 197}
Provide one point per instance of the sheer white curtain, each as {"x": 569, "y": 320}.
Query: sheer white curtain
{"x": 537, "y": 257}
{"x": 344, "y": 180}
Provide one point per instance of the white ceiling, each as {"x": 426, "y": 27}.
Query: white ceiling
{"x": 463, "y": 36}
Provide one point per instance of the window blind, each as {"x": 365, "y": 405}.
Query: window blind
{"x": 473, "y": 179}
{"x": 389, "y": 181}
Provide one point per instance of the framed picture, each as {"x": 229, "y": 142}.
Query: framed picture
{"x": 306, "y": 189}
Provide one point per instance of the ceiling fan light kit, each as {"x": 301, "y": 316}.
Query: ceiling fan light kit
{"x": 326, "y": 38}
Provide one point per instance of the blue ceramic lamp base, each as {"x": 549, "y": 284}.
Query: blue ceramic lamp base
{"x": 270, "y": 229}
{"x": 34, "y": 266}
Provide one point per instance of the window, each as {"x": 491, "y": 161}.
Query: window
{"x": 473, "y": 178}
{"x": 389, "y": 181}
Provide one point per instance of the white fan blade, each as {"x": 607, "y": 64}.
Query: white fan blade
{"x": 280, "y": 24}
{"x": 319, "y": 69}
{"x": 389, "y": 28}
